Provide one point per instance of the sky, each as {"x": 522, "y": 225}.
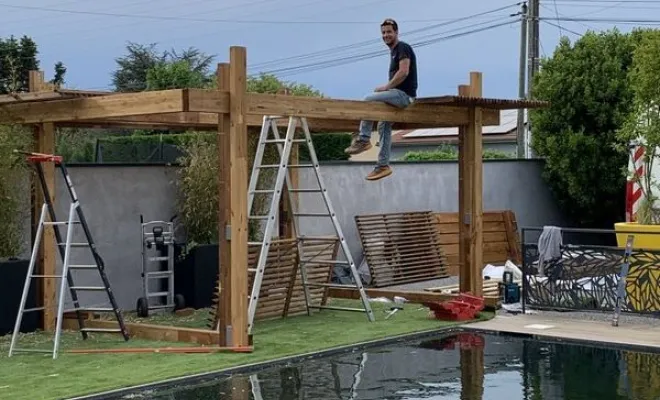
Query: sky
{"x": 88, "y": 35}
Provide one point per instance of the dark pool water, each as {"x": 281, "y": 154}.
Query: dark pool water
{"x": 456, "y": 366}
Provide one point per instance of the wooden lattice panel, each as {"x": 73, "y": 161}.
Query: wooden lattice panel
{"x": 401, "y": 247}
{"x": 501, "y": 241}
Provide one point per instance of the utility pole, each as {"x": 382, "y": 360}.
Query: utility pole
{"x": 533, "y": 56}
{"x": 520, "y": 132}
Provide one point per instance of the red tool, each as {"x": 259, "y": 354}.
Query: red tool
{"x": 462, "y": 308}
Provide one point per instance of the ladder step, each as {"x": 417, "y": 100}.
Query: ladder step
{"x": 61, "y": 223}
{"x": 34, "y": 309}
{"x": 337, "y": 308}
{"x": 83, "y": 266}
{"x": 311, "y": 261}
{"x": 319, "y": 238}
{"x": 312, "y": 215}
{"x": 289, "y": 166}
{"x": 159, "y": 258}
{"x": 88, "y": 288}
{"x": 93, "y": 309}
{"x": 262, "y": 191}
{"x": 158, "y": 294}
{"x": 47, "y": 276}
{"x": 284, "y": 141}
{"x": 307, "y": 190}
{"x": 75, "y": 244}
{"x": 104, "y": 330}
{"x": 258, "y": 217}
{"x": 160, "y": 274}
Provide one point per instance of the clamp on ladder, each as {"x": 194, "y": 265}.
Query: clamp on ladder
{"x": 65, "y": 248}
{"x": 284, "y": 146}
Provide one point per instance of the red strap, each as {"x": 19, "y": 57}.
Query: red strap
{"x": 41, "y": 157}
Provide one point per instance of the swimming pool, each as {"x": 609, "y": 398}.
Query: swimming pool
{"x": 462, "y": 366}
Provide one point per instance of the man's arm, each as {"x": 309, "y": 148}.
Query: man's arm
{"x": 401, "y": 74}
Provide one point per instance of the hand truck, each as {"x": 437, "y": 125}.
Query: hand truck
{"x": 158, "y": 236}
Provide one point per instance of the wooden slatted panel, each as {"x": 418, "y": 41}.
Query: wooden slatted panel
{"x": 319, "y": 250}
{"x": 281, "y": 291}
{"x": 501, "y": 241}
{"x": 401, "y": 247}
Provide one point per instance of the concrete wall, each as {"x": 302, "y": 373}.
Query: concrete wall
{"x": 113, "y": 197}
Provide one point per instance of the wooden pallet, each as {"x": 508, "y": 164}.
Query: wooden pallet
{"x": 401, "y": 247}
{"x": 501, "y": 239}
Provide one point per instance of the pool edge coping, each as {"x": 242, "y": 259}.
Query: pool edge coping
{"x": 246, "y": 368}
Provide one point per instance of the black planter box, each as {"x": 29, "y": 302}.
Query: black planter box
{"x": 11, "y": 288}
{"x": 195, "y": 275}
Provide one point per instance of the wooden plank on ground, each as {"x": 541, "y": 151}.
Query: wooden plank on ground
{"x": 401, "y": 247}
{"x": 413, "y": 296}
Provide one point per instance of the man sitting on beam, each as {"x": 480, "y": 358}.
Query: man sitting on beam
{"x": 400, "y": 92}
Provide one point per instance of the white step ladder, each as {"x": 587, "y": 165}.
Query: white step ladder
{"x": 284, "y": 147}
{"x": 75, "y": 219}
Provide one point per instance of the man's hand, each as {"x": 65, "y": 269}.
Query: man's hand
{"x": 381, "y": 88}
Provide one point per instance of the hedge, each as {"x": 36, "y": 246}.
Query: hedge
{"x": 166, "y": 148}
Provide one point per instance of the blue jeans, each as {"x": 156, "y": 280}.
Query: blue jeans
{"x": 394, "y": 97}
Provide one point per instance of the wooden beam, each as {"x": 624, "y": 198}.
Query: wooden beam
{"x": 238, "y": 156}
{"x": 474, "y": 131}
{"x": 464, "y": 201}
{"x": 224, "y": 211}
{"x": 116, "y": 105}
{"x": 201, "y": 100}
{"x": 413, "y": 296}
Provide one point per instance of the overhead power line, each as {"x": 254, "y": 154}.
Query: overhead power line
{"x": 369, "y": 42}
{"x": 281, "y": 72}
{"x": 174, "y": 18}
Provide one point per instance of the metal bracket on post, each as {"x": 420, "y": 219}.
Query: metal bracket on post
{"x": 228, "y": 233}
{"x": 467, "y": 219}
{"x": 228, "y": 337}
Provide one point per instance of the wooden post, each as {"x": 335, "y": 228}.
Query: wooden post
{"x": 464, "y": 201}
{"x": 224, "y": 212}
{"x": 238, "y": 158}
{"x": 44, "y": 142}
{"x": 472, "y": 372}
{"x": 474, "y": 131}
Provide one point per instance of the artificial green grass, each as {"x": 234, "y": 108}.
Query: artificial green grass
{"x": 38, "y": 376}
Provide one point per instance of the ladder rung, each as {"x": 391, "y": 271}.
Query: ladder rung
{"x": 306, "y": 190}
{"x": 311, "y": 261}
{"x": 262, "y": 191}
{"x": 328, "y": 238}
{"x": 60, "y": 222}
{"x": 164, "y": 258}
{"x": 158, "y": 294}
{"x": 159, "y": 274}
{"x": 83, "y": 266}
{"x": 301, "y": 165}
{"x": 255, "y": 243}
{"x": 252, "y": 270}
{"x": 75, "y": 244}
{"x": 274, "y": 141}
{"x": 88, "y": 288}
{"x": 93, "y": 309}
{"x": 106, "y": 330}
{"x": 258, "y": 217}
{"x": 337, "y": 308}
{"x": 34, "y": 309}
{"x": 311, "y": 215}
{"x": 47, "y": 276}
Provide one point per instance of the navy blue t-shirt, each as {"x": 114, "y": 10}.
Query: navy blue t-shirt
{"x": 399, "y": 52}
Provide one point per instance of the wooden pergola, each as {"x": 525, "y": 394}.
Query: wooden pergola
{"x": 230, "y": 110}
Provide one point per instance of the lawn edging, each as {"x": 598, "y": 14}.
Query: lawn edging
{"x": 200, "y": 378}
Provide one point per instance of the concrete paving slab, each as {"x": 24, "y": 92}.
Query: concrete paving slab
{"x": 627, "y": 334}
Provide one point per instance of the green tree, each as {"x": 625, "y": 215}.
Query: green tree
{"x": 590, "y": 97}
{"x": 267, "y": 83}
{"x": 175, "y": 75}
{"x": 133, "y": 68}
{"x": 643, "y": 121}
{"x": 17, "y": 58}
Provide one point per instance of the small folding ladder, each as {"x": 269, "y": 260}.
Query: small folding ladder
{"x": 270, "y": 123}
{"x": 65, "y": 247}
{"x": 621, "y": 287}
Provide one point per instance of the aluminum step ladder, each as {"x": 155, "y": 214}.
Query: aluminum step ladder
{"x": 284, "y": 146}
{"x": 65, "y": 248}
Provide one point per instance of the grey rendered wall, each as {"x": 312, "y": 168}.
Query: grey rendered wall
{"x": 113, "y": 197}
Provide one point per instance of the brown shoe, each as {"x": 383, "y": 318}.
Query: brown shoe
{"x": 379, "y": 172}
{"x": 358, "y": 146}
